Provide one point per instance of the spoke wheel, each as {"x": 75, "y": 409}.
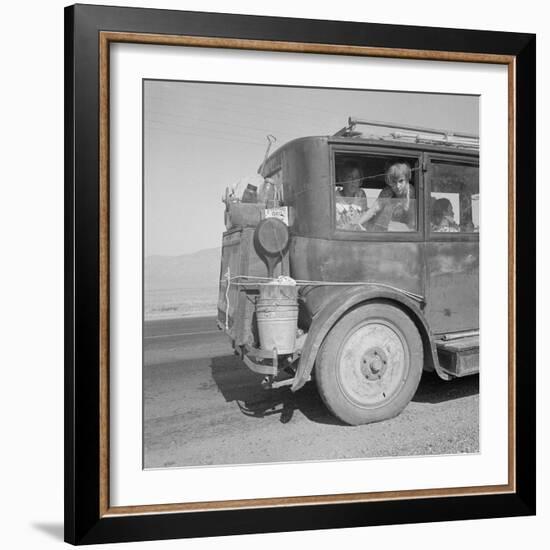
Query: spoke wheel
{"x": 370, "y": 364}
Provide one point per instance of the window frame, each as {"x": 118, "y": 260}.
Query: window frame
{"x": 368, "y": 150}
{"x": 429, "y": 160}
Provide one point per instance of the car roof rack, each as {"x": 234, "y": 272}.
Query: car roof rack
{"x": 412, "y": 134}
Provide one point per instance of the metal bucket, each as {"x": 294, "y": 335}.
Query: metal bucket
{"x": 277, "y": 316}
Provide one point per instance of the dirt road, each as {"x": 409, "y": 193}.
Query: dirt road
{"x": 203, "y": 406}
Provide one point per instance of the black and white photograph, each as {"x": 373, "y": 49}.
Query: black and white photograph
{"x": 310, "y": 274}
{"x": 275, "y": 275}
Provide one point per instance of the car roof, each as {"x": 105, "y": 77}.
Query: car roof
{"x": 418, "y": 146}
{"x": 414, "y": 138}
{"x": 407, "y": 135}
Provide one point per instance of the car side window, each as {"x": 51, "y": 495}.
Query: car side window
{"x": 375, "y": 193}
{"x": 454, "y": 197}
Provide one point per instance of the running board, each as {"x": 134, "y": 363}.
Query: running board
{"x": 459, "y": 356}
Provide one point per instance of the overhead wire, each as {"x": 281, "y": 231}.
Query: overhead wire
{"x": 206, "y": 136}
{"x": 295, "y": 108}
{"x": 201, "y": 120}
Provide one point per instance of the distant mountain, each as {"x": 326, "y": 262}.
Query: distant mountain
{"x": 197, "y": 270}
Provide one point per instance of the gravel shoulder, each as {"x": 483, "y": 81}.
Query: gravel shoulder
{"x": 202, "y": 406}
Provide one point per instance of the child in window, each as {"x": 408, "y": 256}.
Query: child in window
{"x": 395, "y": 202}
{"x": 351, "y": 201}
{"x": 443, "y": 217}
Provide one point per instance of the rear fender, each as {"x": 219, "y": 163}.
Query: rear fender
{"x": 352, "y": 297}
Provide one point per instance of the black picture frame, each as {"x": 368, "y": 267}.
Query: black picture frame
{"x": 87, "y": 520}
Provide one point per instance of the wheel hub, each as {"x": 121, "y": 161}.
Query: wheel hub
{"x": 374, "y": 363}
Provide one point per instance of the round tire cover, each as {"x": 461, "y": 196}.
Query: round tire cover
{"x": 272, "y": 236}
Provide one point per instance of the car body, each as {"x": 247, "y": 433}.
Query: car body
{"x": 415, "y": 283}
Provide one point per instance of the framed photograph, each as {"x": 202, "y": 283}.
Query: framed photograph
{"x": 299, "y": 276}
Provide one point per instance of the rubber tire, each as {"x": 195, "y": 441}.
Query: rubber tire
{"x": 326, "y": 366}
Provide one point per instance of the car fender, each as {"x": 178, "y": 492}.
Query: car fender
{"x": 346, "y": 300}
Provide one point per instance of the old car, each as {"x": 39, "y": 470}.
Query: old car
{"x": 339, "y": 277}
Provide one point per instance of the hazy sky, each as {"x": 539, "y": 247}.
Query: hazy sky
{"x": 201, "y": 137}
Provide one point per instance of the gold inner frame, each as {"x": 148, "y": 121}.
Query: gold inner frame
{"x": 105, "y": 39}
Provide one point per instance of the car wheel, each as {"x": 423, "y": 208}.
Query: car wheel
{"x": 370, "y": 364}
